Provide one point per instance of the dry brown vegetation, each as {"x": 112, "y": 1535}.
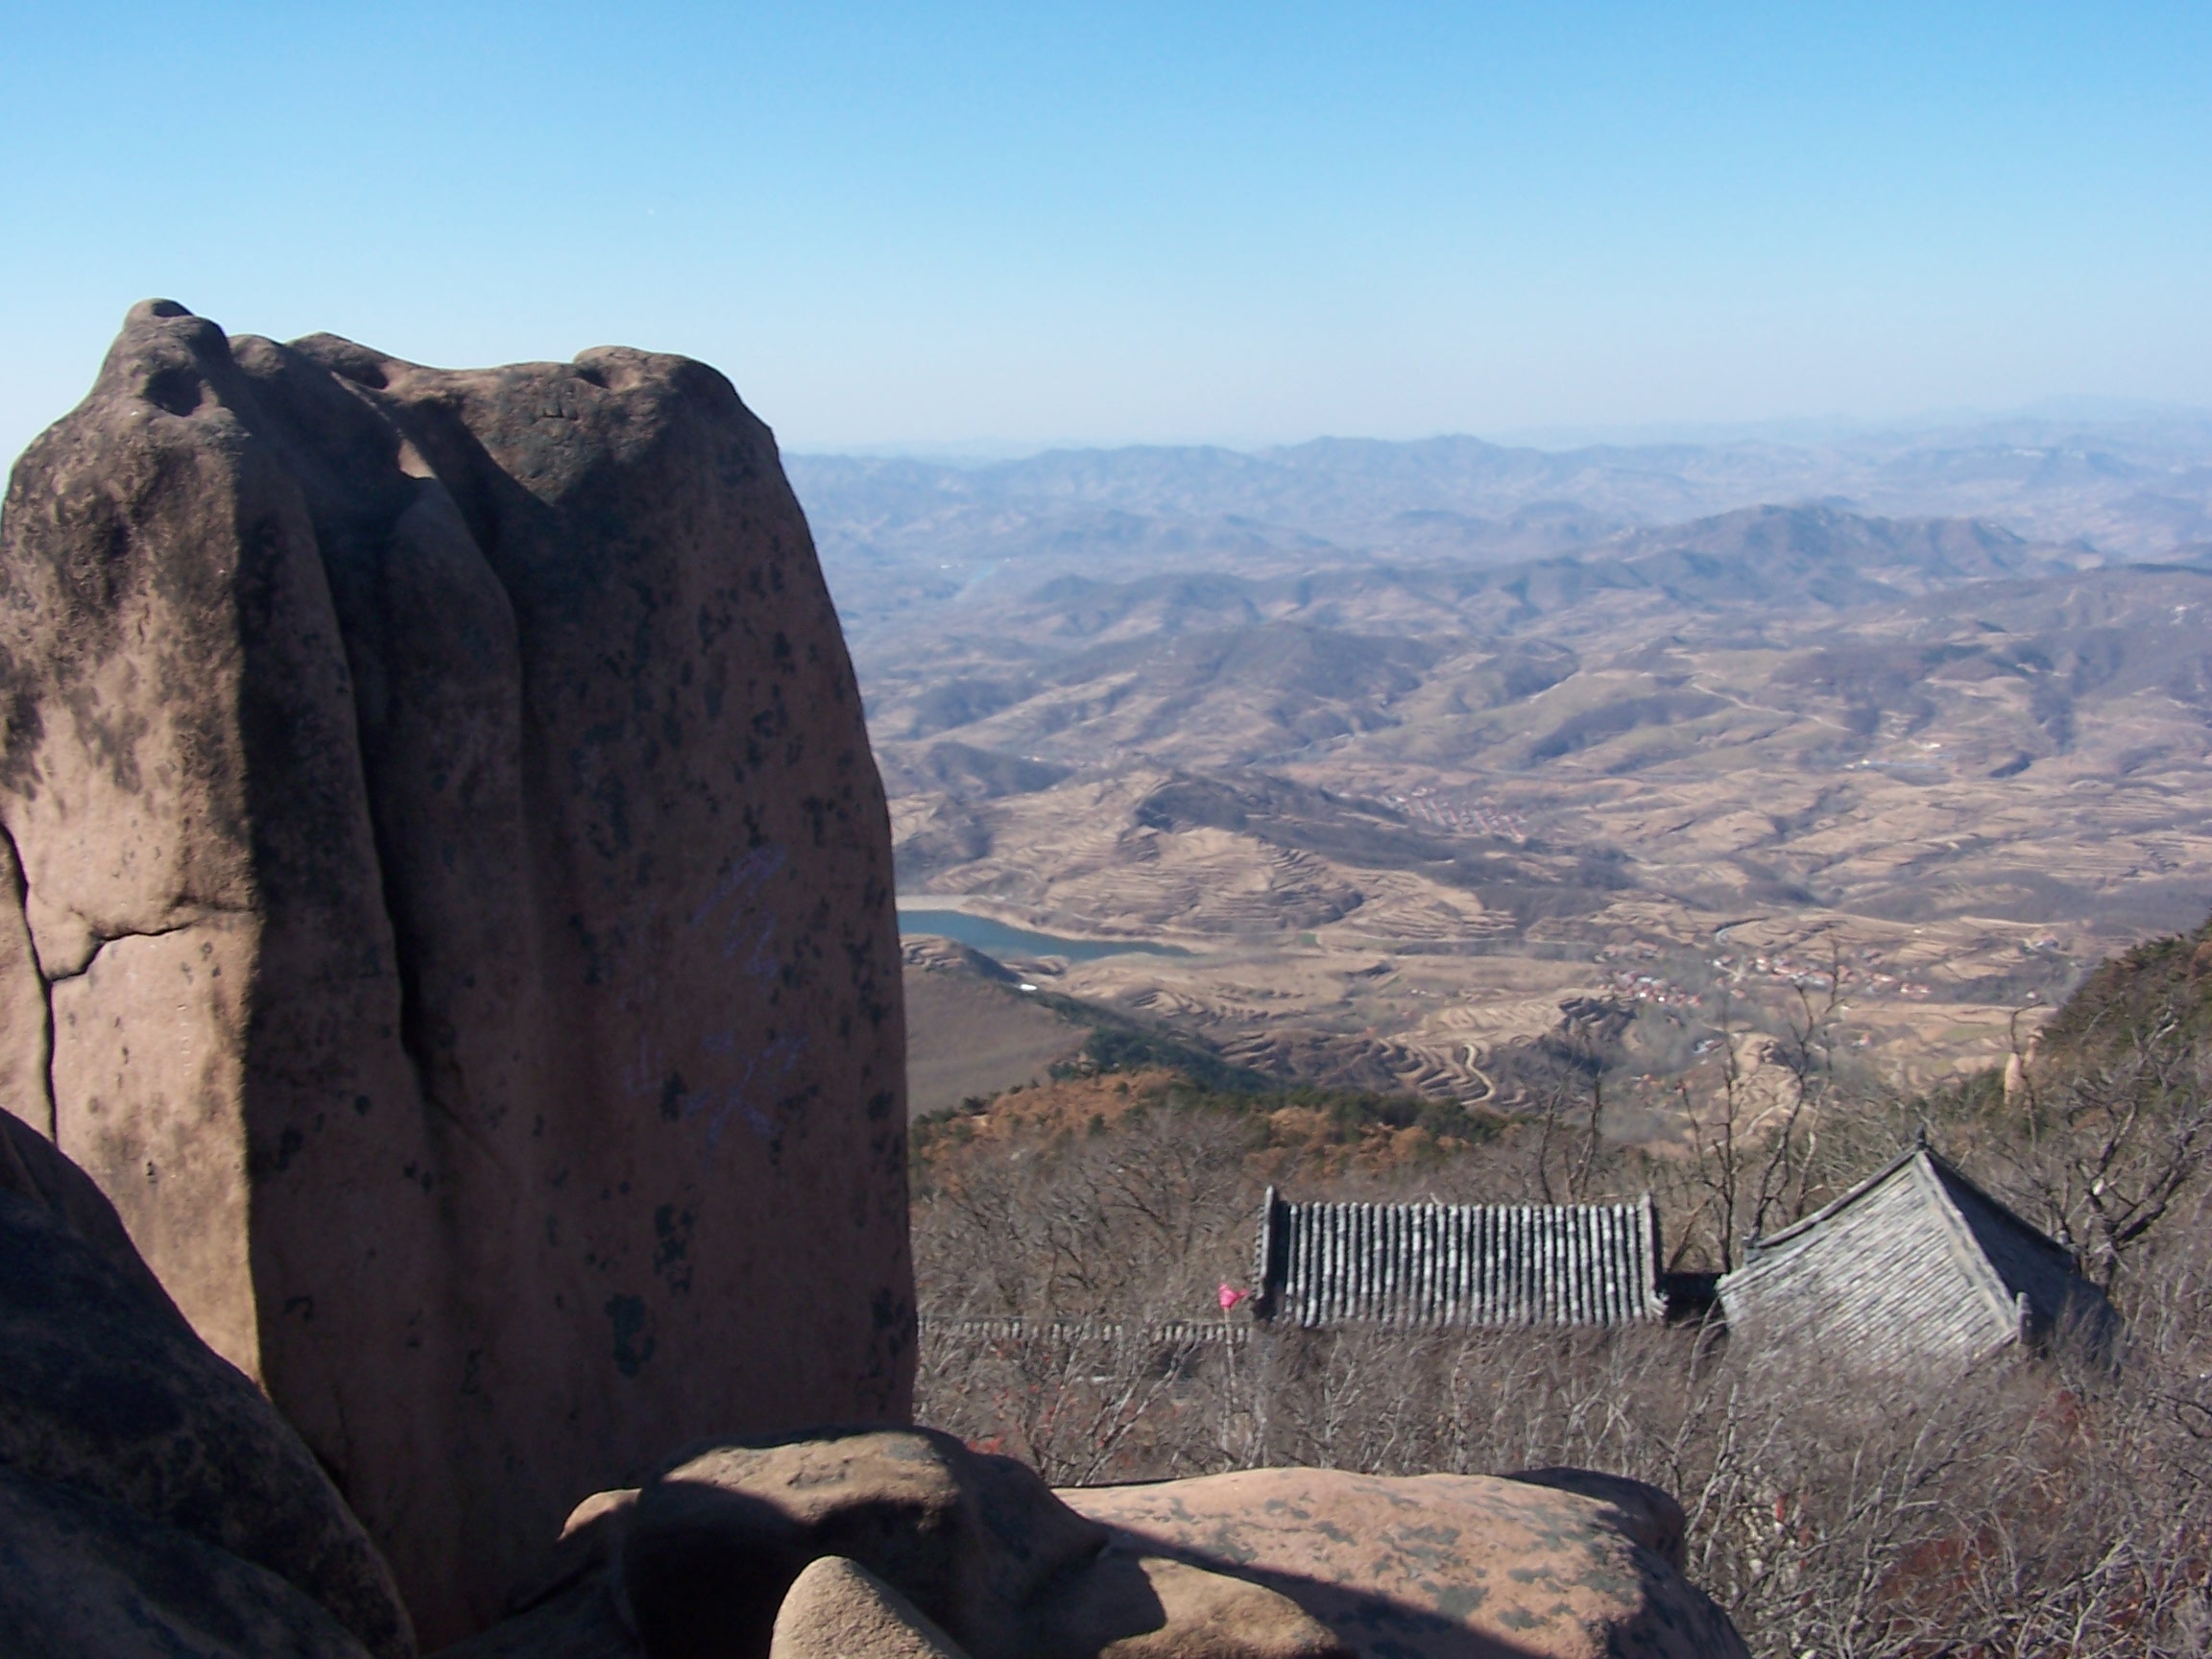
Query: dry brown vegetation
{"x": 1564, "y": 855}
{"x": 1395, "y": 829}
{"x": 1069, "y": 1239}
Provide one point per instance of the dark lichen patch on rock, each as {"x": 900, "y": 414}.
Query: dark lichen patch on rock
{"x": 1438, "y": 1566}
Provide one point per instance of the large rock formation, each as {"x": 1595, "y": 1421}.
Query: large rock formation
{"x": 447, "y": 907}
{"x": 933, "y": 1548}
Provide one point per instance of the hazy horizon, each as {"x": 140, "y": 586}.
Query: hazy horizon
{"x": 2091, "y": 414}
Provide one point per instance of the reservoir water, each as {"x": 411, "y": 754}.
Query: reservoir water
{"x": 996, "y": 938}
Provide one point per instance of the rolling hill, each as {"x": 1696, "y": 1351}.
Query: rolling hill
{"x": 1405, "y": 798}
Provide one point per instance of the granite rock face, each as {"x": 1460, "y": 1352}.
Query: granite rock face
{"x": 151, "y": 1499}
{"x": 84, "y": 1579}
{"x": 1644, "y": 1514}
{"x": 971, "y": 1539}
{"x": 445, "y": 902}
{"x": 1441, "y": 1566}
{"x": 788, "y": 1548}
{"x": 774, "y": 1549}
{"x": 837, "y": 1608}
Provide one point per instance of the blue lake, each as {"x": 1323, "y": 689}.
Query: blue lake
{"x": 997, "y": 939}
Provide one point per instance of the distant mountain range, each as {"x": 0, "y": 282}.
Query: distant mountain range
{"x": 1759, "y": 557}
{"x": 901, "y": 531}
{"x": 1421, "y": 742}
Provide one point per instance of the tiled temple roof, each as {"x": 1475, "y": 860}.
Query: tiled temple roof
{"x": 1466, "y": 1264}
{"x": 1916, "y": 1263}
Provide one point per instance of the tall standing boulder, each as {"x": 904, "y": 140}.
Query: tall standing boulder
{"x": 445, "y": 902}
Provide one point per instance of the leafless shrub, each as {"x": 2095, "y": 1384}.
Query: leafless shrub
{"x": 2042, "y": 1505}
{"x": 2108, "y": 1142}
{"x": 1142, "y": 1223}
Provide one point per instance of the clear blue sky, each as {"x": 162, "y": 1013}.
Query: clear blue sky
{"x": 1143, "y": 222}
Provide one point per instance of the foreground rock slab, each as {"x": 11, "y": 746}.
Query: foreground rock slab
{"x": 1442, "y": 1566}
{"x": 445, "y": 902}
{"x": 795, "y": 1548}
{"x": 1128, "y": 1604}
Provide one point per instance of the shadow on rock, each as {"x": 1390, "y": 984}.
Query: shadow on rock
{"x": 939, "y": 1545}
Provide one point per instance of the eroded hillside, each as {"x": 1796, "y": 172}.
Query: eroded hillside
{"x": 1401, "y": 801}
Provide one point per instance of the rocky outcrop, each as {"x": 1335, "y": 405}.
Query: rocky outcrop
{"x": 790, "y": 1549}
{"x": 1643, "y": 1514}
{"x": 1442, "y": 1566}
{"x": 445, "y": 902}
{"x": 972, "y": 1540}
{"x": 152, "y": 1502}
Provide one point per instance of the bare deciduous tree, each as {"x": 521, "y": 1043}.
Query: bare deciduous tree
{"x": 2038, "y": 1506}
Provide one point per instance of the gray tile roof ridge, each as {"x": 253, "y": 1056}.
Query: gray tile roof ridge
{"x": 1833, "y": 1206}
{"x": 1954, "y": 1176}
{"x": 1942, "y": 1168}
{"x": 1967, "y": 1246}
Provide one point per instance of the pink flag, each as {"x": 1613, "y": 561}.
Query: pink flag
{"x": 1230, "y": 1296}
